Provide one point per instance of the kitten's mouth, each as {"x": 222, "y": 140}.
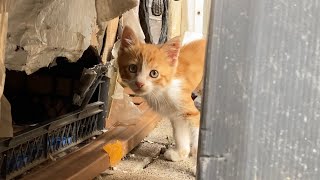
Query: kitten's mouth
{"x": 140, "y": 92}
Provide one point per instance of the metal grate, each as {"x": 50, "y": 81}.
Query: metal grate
{"x": 72, "y": 133}
{"x": 35, "y": 145}
{"x": 26, "y": 151}
{"x": 24, "y": 154}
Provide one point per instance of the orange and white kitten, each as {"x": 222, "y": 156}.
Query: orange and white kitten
{"x": 165, "y": 76}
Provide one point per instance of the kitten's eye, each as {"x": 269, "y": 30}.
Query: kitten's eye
{"x": 133, "y": 68}
{"x": 154, "y": 73}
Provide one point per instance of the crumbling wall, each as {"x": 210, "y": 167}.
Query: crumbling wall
{"x": 40, "y": 31}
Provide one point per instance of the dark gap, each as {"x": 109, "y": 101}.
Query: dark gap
{"x": 103, "y": 42}
{"x": 47, "y": 93}
{"x": 137, "y": 104}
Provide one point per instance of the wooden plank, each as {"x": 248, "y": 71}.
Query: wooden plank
{"x": 206, "y": 16}
{"x": 3, "y": 40}
{"x": 130, "y": 136}
{"x": 94, "y": 42}
{"x": 91, "y": 160}
{"x": 6, "y": 129}
{"x": 78, "y": 163}
{"x": 174, "y": 19}
{"x": 111, "y": 34}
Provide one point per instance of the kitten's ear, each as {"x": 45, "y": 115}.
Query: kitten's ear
{"x": 172, "y": 48}
{"x": 128, "y": 38}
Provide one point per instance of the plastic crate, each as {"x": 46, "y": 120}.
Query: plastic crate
{"x": 37, "y": 144}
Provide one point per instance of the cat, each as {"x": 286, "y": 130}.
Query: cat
{"x": 165, "y": 75}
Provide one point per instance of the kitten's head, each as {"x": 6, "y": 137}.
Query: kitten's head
{"x": 146, "y": 67}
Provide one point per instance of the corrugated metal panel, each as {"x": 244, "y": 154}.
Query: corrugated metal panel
{"x": 261, "y": 110}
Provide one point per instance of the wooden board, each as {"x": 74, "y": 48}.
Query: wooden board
{"x": 174, "y": 19}
{"x": 111, "y": 32}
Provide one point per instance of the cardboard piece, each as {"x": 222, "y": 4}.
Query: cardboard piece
{"x": 6, "y": 129}
{"x": 40, "y": 31}
{"x": 110, "y": 9}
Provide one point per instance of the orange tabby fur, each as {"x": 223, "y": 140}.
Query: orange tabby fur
{"x": 176, "y": 72}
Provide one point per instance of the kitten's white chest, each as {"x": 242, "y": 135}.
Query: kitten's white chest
{"x": 167, "y": 101}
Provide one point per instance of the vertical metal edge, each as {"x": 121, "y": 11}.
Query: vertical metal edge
{"x": 103, "y": 97}
{"x": 206, "y": 102}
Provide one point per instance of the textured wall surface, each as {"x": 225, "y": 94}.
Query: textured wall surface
{"x": 261, "y": 112}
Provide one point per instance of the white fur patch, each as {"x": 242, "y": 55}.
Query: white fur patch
{"x": 174, "y": 91}
{"x": 165, "y": 101}
{"x": 194, "y": 140}
{"x": 181, "y": 133}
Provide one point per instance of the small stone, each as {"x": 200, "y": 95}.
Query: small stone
{"x": 148, "y": 141}
{"x": 108, "y": 172}
{"x": 132, "y": 155}
{"x": 163, "y": 150}
{"x": 104, "y": 130}
{"x": 197, "y": 102}
{"x": 147, "y": 160}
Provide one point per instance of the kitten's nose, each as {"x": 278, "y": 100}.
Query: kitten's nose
{"x": 139, "y": 84}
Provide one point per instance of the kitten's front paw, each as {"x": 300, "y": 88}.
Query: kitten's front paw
{"x": 175, "y": 155}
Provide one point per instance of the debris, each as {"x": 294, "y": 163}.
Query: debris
{"x": 147, "y": 161}
{"x": 132, "y": 155}
{"x": 163, "y": 150}
{"x": 115, "y": 151}
{"x": 62, "y": 154}
{"x": 72, "y": 149}
{"x": 48, "y": 29}
{"x": 148, "y": 141}
{"x": 52, "y": 158}
{"x": 113, "y": 168}
{"x": 104, "y": 130}
{"x": 108, "y": 172}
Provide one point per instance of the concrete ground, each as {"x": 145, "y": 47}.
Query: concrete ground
{"x": 146, "y": 161}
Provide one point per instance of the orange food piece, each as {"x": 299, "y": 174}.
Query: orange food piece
{"x": 115, "y": 152}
